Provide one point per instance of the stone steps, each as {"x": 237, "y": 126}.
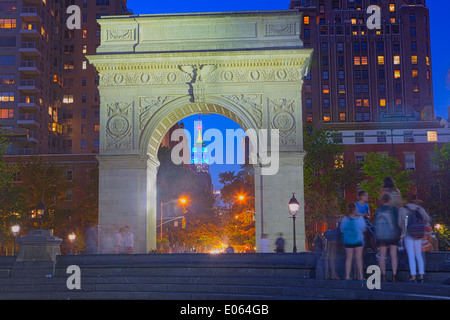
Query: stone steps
{"x": 195, "y": 277}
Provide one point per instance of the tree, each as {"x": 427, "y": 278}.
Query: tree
{"x": 43, "y": 181}
{"x": 376, "y": 168}
{"x": 440, "y": 204}
{"x": 237, "y": 214}
{"x": 175, "y": 181}
{"x": 326, "y": 175}
{"x": 11, "y": 196}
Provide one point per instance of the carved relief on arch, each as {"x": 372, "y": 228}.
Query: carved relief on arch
{"x": 283, "y": 119}
{"x": 149, "y": 105}
{"x": 251, "y": 102}
{"x": 119, "y": 126}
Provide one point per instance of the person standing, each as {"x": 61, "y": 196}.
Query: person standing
{"x": 279, "y": 243}
{"x": 391, "y": 189}
{"x": 353, "y": 227}
{"x": 387, "y": 233}
{"x": 415, "y": 226}
{"x": 361, "y": 204}
{"x": 264, "y": 244}
{"x": 128, "y": 240}
{"x": 331, "y": 250}
{"x": 118, "y": 241}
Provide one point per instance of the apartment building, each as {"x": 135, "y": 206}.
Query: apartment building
{"x": 373, "y": 87}
{"x": 48, "y": 95}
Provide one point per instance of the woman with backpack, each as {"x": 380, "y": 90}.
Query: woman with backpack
{"x": 353, "y": 227}
{"x": 387, "y": 233}
{"x": 391, "y": 189}
{"x": 415, "y": 226}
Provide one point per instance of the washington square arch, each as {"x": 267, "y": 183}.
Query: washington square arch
{"x": 156, "y": 70}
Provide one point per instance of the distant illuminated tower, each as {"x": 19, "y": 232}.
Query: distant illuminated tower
{"x": 200, "y": 155}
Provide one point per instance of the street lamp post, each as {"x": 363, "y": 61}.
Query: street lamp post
{"x": 182, "y": 200}
{"x": 72, "y": 237}
{"x": 40, "y": 210}
{"x": 293, "y": 209}
{"x": 15, "y": 231}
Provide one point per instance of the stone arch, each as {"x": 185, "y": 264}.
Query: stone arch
{"x": 162, "y": 120}
{"x": 158, "y": 69}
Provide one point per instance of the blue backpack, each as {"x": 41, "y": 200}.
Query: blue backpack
{"x": 350, "y": 235}
{"x": 385, "y": 229}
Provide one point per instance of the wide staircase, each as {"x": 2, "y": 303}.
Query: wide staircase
{"x": 197, "y": 277}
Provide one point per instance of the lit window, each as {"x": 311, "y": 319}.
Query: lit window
{"x": 414, "y": 59}
{"x": 306, "y": 20}
{"x": 342, "y": 116}
{"x": 428, "y": 60}
{"x": 354, "y": 21}
{"x": 364, "y": 61}
{"x": 339, "y": 159}
{"x": 326, "y": 118}
{"x": 397, "y": 74}
{"x": 68, "y": 98}
{"x": 359, "y": 102}
{"x": 357, "y": 61}
{"x": 391, "y": 7}
{"x": 84, "y": 34}
{"x": 366, "y": 103}
{"x": 416, "y": 88}
{"x": 396, "y": 59}
{"x": 381, "y": 60}
{"x": 84, "y": 65}
{"x": 415, "y": 73}
{"x": 392, "y": 20}
{"x": 432, "y": 136}
{"x": 326, "y": 88}
{"x": 382, "y": 102}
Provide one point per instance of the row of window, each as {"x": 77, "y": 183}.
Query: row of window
{"x": 68, "y": 98}
{"x": 408, "y": 136}
{"x": 409, "y": 161}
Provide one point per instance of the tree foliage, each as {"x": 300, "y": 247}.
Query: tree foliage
{"x": 174, "y": 182}
{"x": 326, "y": 175}
{"x": 11, "y": 195}
{"x": 376, "y": 168}
{"x": 441, "y": 205}
{"x": 237, "y": 214}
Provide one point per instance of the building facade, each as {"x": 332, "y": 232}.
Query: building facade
{"x": 365, "y": 75}
{"x": 373, "y": 87}
{"x": 48, "y": 94}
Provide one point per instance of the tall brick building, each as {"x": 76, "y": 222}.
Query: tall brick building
{"x": 48, "y": 95}
{"x": 373, "y": 87}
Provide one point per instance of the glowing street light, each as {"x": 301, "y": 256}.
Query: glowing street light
{"x": 294, "y": 206}
{"x": 72, "y": 237}
{"x": 182, "y": 200}
{"x": 15, "y": 231}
